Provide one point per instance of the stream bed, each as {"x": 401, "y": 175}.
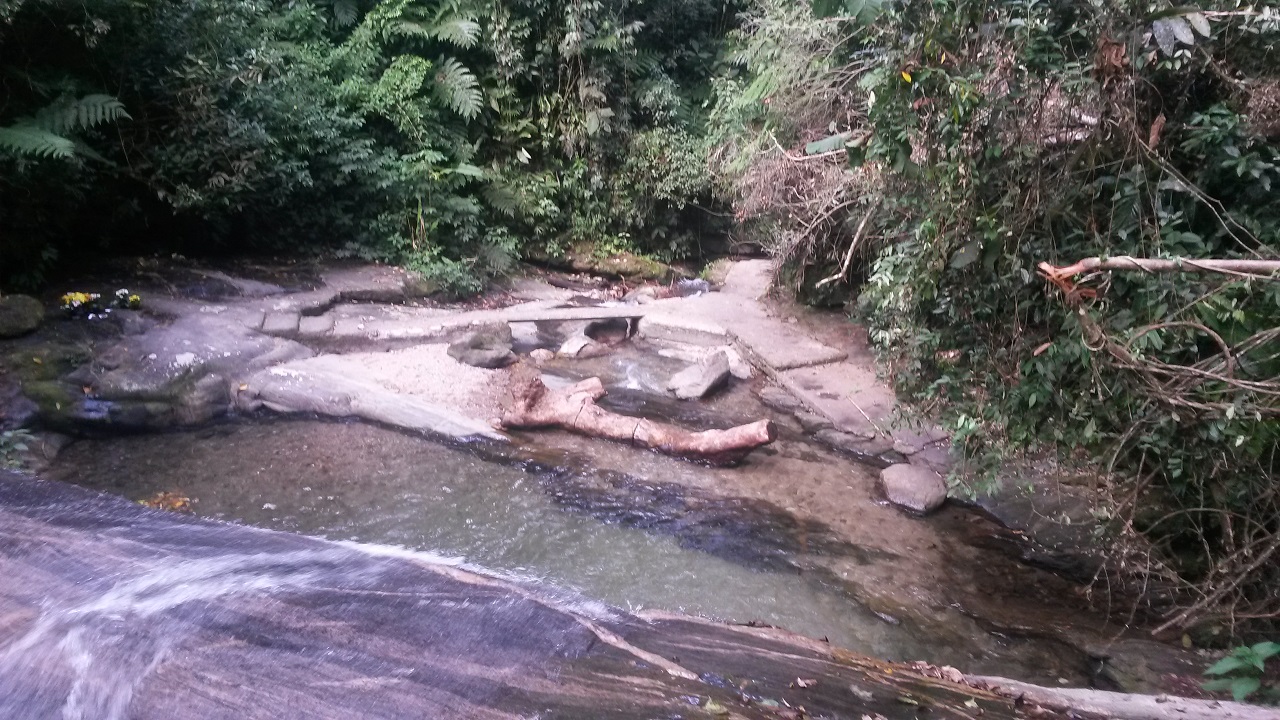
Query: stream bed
{"x": 630, "y": 528}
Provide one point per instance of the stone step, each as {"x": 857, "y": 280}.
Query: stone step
{"x": 317, "y": 326}
{"x": 283, "y": 324}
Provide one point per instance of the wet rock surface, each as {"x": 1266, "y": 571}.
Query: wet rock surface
{"x": 325, "y": 631}
{"x": 917, "y": 489}
{"x": 696, "y": 381}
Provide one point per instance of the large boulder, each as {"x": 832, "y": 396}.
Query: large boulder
{"x": 697, "y": 380}
{"x": 914, "y": 488}
{"x": 19, "y": 315}
{"x": 486, "y": 347}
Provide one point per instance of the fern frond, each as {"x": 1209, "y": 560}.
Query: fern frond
{"x": 458, "y": 88}
{"x": 502, "y": 198}
{"x": 34, "y": 142}
{"x": 345, "y": 12}
{"x": 462, "y": 32}
{"x": 67, "y": 114}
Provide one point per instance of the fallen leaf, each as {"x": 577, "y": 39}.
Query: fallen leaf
{"x": 37, "y": 361}
{"x": 714, "y": 707}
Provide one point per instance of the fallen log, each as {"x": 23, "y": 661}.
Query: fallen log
{"x": 1160, "y": 265}
{"x": 574, "y": 408}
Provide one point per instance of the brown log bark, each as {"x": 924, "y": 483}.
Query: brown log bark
{"x": 574, "y": 408}
{"x": 1157, "y": 265}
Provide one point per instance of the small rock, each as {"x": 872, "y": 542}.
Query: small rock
{"x": 780, "y": 400}
{"x": 19, "y": 315}
{"x": 913, "y": 488}
{"x": 697, "y": 380}
{"x": 581, "y": 346}
{"x": 740, "y": 368}
{"x": 641, "y": 295}
{"x": 486, "y": 347}
{"x": 813, "y": 422}
{"x": 541, "y": 355}
{"x": 691, "y": 287}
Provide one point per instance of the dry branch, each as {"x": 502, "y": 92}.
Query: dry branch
{"x": 1124, "y": 262}
{"x": 574, "y": 408}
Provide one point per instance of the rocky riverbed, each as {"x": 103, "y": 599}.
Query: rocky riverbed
{"x": 834, "y": 502}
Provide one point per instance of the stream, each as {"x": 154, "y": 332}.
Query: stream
{"x": 648, "y": 539}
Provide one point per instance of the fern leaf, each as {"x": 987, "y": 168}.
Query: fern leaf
{"x": 458, "y": 88}
{"x": 502, "y": 198}
{"x": 411, "y": 28}
{"x": 34, "y": 142}
{"x": 462, "y": 32}
{"x": 68, "y": 114}
{"x": 345, "y": 12}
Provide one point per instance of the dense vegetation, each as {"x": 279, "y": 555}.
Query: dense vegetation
{"x": 918, "y": 160}
{"x": 929, "y": 156}
{"x": 448, "y": 135}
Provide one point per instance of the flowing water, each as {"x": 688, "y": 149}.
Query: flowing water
{"x": 630, "y": 539}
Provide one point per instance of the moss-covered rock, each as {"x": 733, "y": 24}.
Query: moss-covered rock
{"x": 19, "y": 315}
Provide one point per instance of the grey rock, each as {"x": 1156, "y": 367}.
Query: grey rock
{"x": 281, "y": 323}
{"x": 813, "y": 422}
{"x": 595, "y": 338}
{"x": 19, "y": 315}
{"x": 324, "y": 391}
{"x": 692, "y": 286}
{"x": 487, "y": 347}
{"x": 541, "y": 355}
{"x": 780, "y": 400}
{"x": 913, "y": 487}
{"x": 875, "y": 451}
{"x": 697, "y": 380}
{"x": 317, "y": 326}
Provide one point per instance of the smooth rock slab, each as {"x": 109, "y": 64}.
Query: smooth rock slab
{"x": 913, "y": 487}
{"x": 165, "y": 616}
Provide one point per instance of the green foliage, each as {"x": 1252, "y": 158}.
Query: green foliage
{"x": 996, "y": 136}
{"x": 47, "y": 134}
{"x": 447, "y": 135}
{"x": 1247, "y": 673}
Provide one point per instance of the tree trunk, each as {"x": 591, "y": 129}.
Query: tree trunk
{"x": 574, "y": 408}
{"x": 1125, "y": 262}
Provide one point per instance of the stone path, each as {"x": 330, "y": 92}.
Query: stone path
{"x": 829, "y": 382}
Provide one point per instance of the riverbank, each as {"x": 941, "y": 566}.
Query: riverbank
{"x": 354, "y": 342}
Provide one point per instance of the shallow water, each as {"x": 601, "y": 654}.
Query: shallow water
{"x": 628, "y": 540}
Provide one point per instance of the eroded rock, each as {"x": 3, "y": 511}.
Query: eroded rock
{"x": 913, "y": 488}
{"x": 780, "y": 400}
{"x": 19, "y": 315}
{"x": 486, "y": 347}
{"x": 698, "y": 380}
